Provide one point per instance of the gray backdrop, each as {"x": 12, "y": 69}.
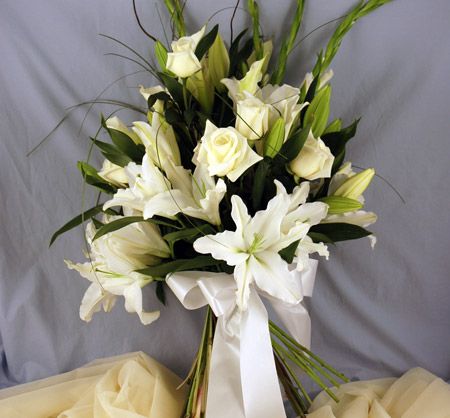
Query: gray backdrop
{"x": 374, "y": 313}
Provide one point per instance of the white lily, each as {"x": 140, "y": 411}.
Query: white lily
{"x": 253, "y": 248}
{"x": 197, "y": 195}
{"x": 144, "y": 182}
{"x": 302, "y": 216}
{"x": 113, "y": 259}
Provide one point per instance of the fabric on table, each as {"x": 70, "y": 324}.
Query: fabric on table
{"x": 128, "y": 386}
{"x": 417, "y": 394}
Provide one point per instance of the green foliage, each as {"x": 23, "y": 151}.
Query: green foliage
{"x": 125, "y": 144}
{"x": 91, "y": 177}
{"x": 275, "y": 138}
{"x": 162, "y": 270}
{"x": 318, "y": 111}
{"x": 294, "y": 144}
{"x": 161, "y": 55}
{"x": 206, "y": 42}
{"x": 259, "y": 183}
{"x": 362, "y": 9}
{"x": 77, "y": 220}
{"x": 288, "y": 44}
{"x": 116, "y": 225}
{"x": 340, "y": 231}
{"x": 288, "y": 253}
{"x": 175, "y": 10}
{"x": 253, "y": 9}
{"x": 111, "y": 153}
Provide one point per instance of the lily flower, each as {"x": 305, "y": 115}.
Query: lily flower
{"x": 253, "y": 248}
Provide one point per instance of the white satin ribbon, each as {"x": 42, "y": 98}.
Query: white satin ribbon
{"x": 243, "y": 382}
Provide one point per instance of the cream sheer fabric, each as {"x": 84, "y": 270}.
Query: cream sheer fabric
{"x": 128, "y": 386}
{"x": 417, "y": 394}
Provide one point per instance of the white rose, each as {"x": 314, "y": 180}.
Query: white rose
{"x": 225, "y": 152}
{"x": 314, "y": 161}
{"x": 113, "y": 174}
{"x": 183, "y": 61}
{"x": 252, "y": 118}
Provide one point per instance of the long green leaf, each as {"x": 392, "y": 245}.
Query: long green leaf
{"x": 125, "y": 144}
{"x": 116, "y": 225}
{"x": 340, "y": 231}
{"x": 337, "y": 141}
{"x": 162, "y": 270}
{"x": 362, "y": 9}
{"x": 77, "y": 220}
{"x": 174, "y": 87}
{"x": 294, "y": 144}
{"x": 91, "y": 177}
{"x": 189, "y": 234}
{"x": 206, "y": 42}
{"x": 288, "y": 44}
{"x": 111, "y": 153}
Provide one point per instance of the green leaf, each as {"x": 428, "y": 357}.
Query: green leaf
{"x": 318, "y": 111}
{"x": 189, "y": 234}
{"x": 294, "y": 144}
{"x": 288, "y": 44}
{"x": 362, "y": 9}
{"x": 160, "y": 292}
{"x": 161, "y": 55}
{"x": 206, "y": 42}
{"x": 126, "y": 145}
{"x": 111, "y": 153}
{"x": 174, "y": 87}
{"x": 162, "y": 270}
{"x": 318, "y": 237}
{"x": 259, "y": 182}
{"x": 234, "y": 51}
{"x": 338, "y": 204}
{"x": 334, "y": 126}
{"x": 91, "y": 177}
{"x": 77, "y": 220}
{"x": 161, "y": 95}
{"x": 340, "y": 231}
{"x": 288, "y": 253}
{"x": 336, "y": 141}
{"x": 275, "y": 139}
{"x": 253, "y": 9}
{"x": 117, "y": 224}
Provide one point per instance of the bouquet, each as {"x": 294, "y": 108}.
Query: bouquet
{"x": 221, "y": 193}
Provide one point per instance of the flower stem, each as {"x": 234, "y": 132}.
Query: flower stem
{"x": 198, "y": 375}
{"x": 288, "y": 352}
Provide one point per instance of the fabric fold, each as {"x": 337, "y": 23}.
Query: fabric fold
{"x": 417, "y": 394}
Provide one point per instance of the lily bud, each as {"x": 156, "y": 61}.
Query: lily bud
{"x": 199, "y": 85}
{"x": 275, "y": 139}
{"x": 355, "y": 185}
{"x": 339, "y": 204}
{"x": 218, "y": 63}
{"x": 267, "y": 54}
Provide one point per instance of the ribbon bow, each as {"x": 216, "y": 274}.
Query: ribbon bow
{"x": 243, "y": 382}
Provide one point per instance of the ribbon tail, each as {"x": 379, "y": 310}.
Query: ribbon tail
{"x": 261, "y": 389}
